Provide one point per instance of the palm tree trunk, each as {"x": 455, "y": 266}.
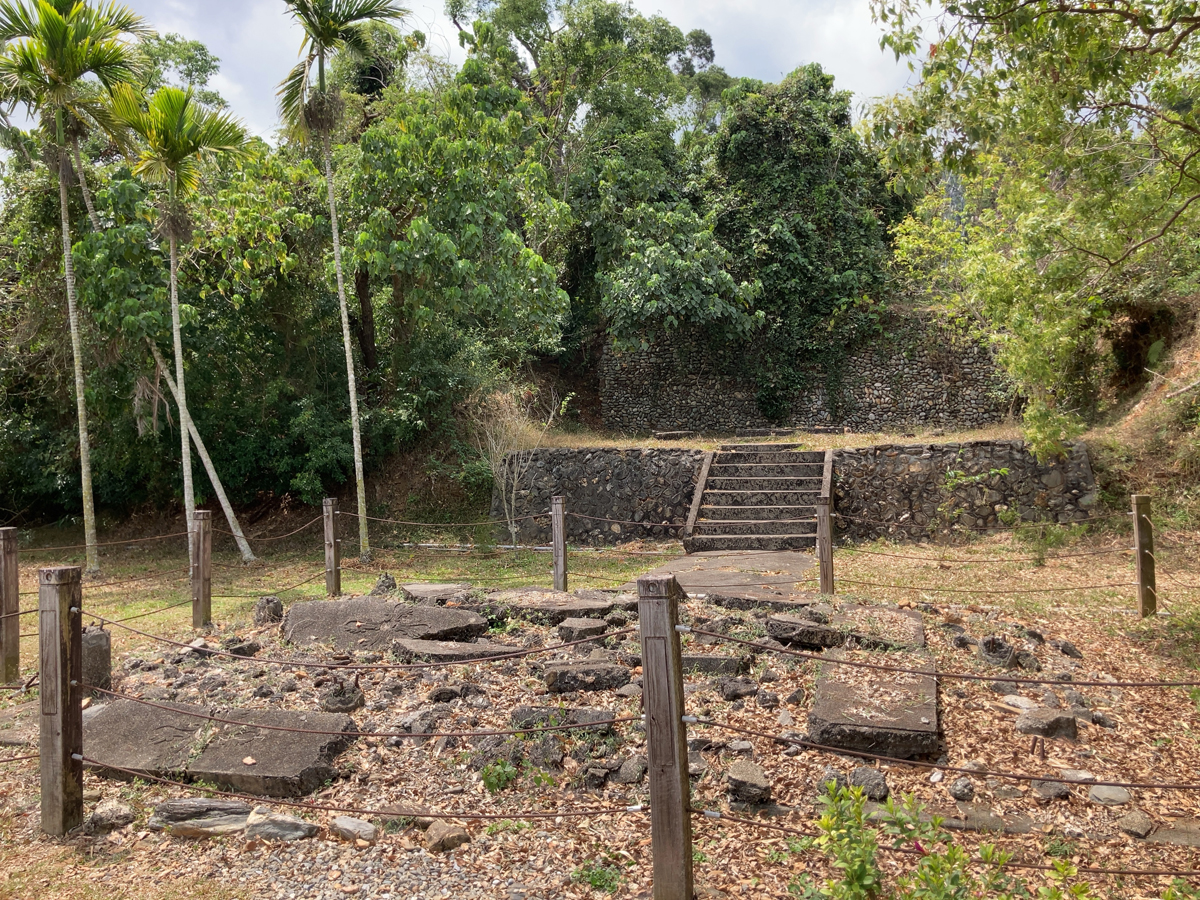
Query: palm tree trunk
{"x": 85, "y": 453}
{"x": 83, "y": 186}
{"x": 360, "y": 482}
{"x": 185, "y": 420}
{"x": 230, "y": 515}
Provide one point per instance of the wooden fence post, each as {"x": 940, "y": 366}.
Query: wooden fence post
{"x": 825, "y": 525}
{"x": 202, "y": 568}
{"x": 10, "y": 605}
{"x": 333, "y": 549}
{"x": 666, "y": 737}
{"x": 558, "y": 542}
{"x": 1143, "y": 545}
{"x": 60, "y": 746}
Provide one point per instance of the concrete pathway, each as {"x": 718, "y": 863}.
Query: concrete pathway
{"x": 777, "y": 575}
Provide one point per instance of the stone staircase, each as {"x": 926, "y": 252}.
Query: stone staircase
{"x": 757, "y": 497}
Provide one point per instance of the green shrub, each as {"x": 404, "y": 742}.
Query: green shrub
{"x": 498, "y": 775}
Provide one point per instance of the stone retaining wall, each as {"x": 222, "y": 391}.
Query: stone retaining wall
{"x": 919, "y": 373}
{"x": 919, "y": 490}
{"x": 914, "y": 490}
{"x": 648, "y": 494}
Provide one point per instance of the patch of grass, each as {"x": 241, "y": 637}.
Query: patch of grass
{"x": 507, "y": 825}
{"x": 602, "y": 876}
{"x": 1060, "y": 848}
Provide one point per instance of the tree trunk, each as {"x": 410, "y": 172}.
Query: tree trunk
{"x": 230, "y": 515}
{"x": 185, "y": 420}
{"x": 366, "y": 333}
{"x": 85, "y": 453}
{"x": 364, "y": 544}
{"x": 83, "y": 186}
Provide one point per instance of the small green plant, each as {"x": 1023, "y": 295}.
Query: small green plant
{"x": 943, "y": 871}
{"x": 505, "y": 825}
{"x": 498, "y": 775}
{"x": 602, "y": 876}
{"x": 699, "y": 856}
{"x": 1060, "y": 848}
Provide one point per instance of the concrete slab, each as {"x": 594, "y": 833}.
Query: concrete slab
{"x": 766, "y": 577}
{"x": 437, "y": 594}
{"x": 546, "y": 607}
{"x": 371, "y": 624}
{"x": 715, "y": 664}
{"x": 285, "y": 763}
{"x": 408, "y": 650}
{"x": 890, "y": 713}
{"x": 1182, "y": 833}
{"x": 143, "y": 738}
{"x": 176, "y": 742}
{"x": 881, "y": 627}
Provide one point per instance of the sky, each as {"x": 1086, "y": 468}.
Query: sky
{"x": 258, "y": 42}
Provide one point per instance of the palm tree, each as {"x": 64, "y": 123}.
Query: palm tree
{"x": 61, "y": 60}
{"x": 333, "y": 27}
{"x": 178, "y": 135}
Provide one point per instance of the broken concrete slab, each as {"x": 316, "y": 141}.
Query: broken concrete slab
{"x": 571, "y": 630}
{"x": 593, "y": 675}
{"x": 1182, "y": 833}
{"x": 881, "y": 627}
{"x": 146, "y": 739}
{"x": 285, "y": 763}
{"x": 762, "y": 599}
{"x": 626, "y": 601}
{"x": 870, "y": 627}
{"x": 436, "y": 594}
{"x": 199, "y": 817}
{"x": 367, "y": 624}
{"x": 715, "y": 664}
{"x": 799, "y": 630}
{"x": 407, "y": 650}
{"x": 889, "y": 713}
{"x": 546, "y": 607}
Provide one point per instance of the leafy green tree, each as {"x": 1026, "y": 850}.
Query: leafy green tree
{"x": 803, "y": 209}
{"x": 62, "y": 60}
{"x": 454, "y": 208}
{"x": 331, "y": 28}
{"x": 174, "y": 60}
{"x": 1073, "y": 135}
{"x": 178, "y": 135}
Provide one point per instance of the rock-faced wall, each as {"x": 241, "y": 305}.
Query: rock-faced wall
{"x": 918, "y": 373}
{"x": 641, "y": 494}
{"x": 913, "y": 492}
{"x": 906, "y": 492}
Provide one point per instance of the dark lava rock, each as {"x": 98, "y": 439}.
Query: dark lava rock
{"x": 343, "y": 699}
{"x": 872, "y": 781}
{"x": 996, "y": 651}
{"x": 1066, "y": 648}
{"x": 385, "y": 586}
{"x": 586, "y": 676}
{"x": 736, "y": 688}
{"x": 268, "y": 610}
{"x": 962, "y": 789}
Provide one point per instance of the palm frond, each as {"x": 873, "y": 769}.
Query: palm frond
{"x": 293, "y": 94}
{"x": 349, "y": 12}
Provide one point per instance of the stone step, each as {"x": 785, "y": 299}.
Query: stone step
{"x": 764, "y": 542}
{"x": 765, "y": 470}
{"x": 761, "y": 498}
{"x": 719, "y": 513}
{"x": 726, "y": 457}
{"x": 706, "y": 527}
{"x": 769, "y": 483}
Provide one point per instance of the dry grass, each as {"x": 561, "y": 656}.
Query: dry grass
{"x": 580, "y": 438}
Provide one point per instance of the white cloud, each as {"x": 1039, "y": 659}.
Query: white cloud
{"x": 257, "y": 41}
